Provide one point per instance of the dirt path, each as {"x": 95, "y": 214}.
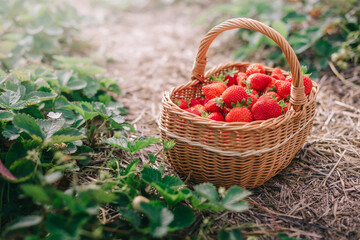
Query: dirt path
{"x": 153, "y": 50}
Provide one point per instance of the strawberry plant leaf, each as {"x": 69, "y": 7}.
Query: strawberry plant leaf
{"x": 36, "y": 192}
{"x": 28, "y": 125}
{"x": 132, "y": 216}
{"x": 10, "y": 132}
{"x": 66, "y": 135}
{"x": 11, "y": 100}
{"x": 172, "y": 182}
{"x": 63, "y": 77}
{"x": 49, "y": 126}
{"x": 159, "y": 217}
{"x": 151, "y": 175}
{"x": 183, "y": 217}
{"x": 92, "y": 87}
{"x": 24, "y": 222}
{"x": 6, "y": 116}
{"x": 208, "y": 191}
{"x": 76, "y": 84}
{"x": 234, "y": 234}
{"x": 23, "y": 169}
{"x": 121, "y": 143}
{"x": 142, "y": 142}
{"x": 6, "y": 173}
{"x": 235, "y": 194}
{"x": 168, "y": 145}
{"x": 152, "y": 157}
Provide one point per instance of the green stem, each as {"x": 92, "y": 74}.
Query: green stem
{"x": 108, "y": 156}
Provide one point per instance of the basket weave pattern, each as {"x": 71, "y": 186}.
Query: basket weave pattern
{"x": 226, "y": 154}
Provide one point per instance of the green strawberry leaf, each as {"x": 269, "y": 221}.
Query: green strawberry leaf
{"x": 6, "y": 115}
{"x": 208, "y": 191}
{"x": 11, "y": 99}
{"x": 10, "y": 132}
{"x": 183, "y": 217}
{"x": 28, "y": 125}
{"x": 234, "y": 234}
{"x": 234, "y": 197}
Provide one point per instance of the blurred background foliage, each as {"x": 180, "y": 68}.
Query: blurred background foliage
{"x": 32, "y": 31}
{"x": 319, "y": 30}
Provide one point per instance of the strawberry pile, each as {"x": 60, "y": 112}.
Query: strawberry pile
{"x": 244, "y": 96}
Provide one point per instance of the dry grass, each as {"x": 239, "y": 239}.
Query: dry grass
{"x": 317, "y": 196}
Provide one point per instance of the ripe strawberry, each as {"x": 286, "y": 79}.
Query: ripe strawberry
{"x": 251, "y": 100}
{"x": 307, "y": 84}
{"x": 241, "y": 79}
{"x": 181, "y": 103}
{"x": 214, "y": 90}
{"x": 231, "y": 76}
{"x": 233, "y": 95}
{"x": 205, "y": 101}
{"x": 274, "y": 95}
{"x": 239, "y": 114}
{"x": 195, "y": 101}
{"x": 255, "y": 68}
{"x": 271, "y": 87}
{"x": 283, "y": 88}
{"x": 197, "y": 109}
{"x": 212, "y": 106}
{"x": 259, "y": 81}
{"x": 225, "y": 110}
{"x": 216, "y": 116}
{"x": 266, "y": 107}
{"x": 277, "y": 74}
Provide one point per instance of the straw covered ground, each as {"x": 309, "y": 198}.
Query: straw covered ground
{"x": 317, "y": 197}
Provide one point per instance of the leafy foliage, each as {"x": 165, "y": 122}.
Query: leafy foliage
{"x": 318, "y": 30}
{"x": 34, "y": 30}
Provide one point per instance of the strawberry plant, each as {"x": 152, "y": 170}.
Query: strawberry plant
{"x": 319, "y": 31}
{"x": 32, "y": 31}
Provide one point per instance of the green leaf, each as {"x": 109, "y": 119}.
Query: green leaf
{"x": 6, "y": 116}
{"x": 23, "y": 169}
{"x": 142, "y": 142}
{"x": 10, "y": 132}
{"x": 66, "y": 135}
{"x": 234, "y": 234}
{"x": 168, "y": 144}
{"x": 159, "y": 217}
{"x": 172, "y": 182}
{"x": 208, "y": 191}
{"x": 24, "y": 222}
{"x": 28, "y": 125}
{"x": 85, "y": 109}
{"x": 121, "y": 143}
{"x": 11, "y": 100}
{"x": 63, "y": 77}
{"x": 233, "y": 196}
{"x": 76, "y": 84}
{"x": 132, "y": 216}
{"x": 152, "y": 157}
{"x": 49, "y": 126}
{"x": 92, "y": 87}
{"x": 37, "y": 192}
{"x": 151, "y": 175}
{"x": 183, "y": 217}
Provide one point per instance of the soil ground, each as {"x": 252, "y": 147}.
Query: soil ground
{"x": 151, "y": 49}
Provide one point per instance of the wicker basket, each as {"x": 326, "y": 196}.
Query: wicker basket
{"x": 244, "y": 154}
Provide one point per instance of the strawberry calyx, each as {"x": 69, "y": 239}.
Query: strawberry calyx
{"x": 282, "y": 105}
{"x": 231, "y": 72}
{"x": 220, "y": 102}
{"x": 243, "y": 103}
{"x": 220, "y": 78}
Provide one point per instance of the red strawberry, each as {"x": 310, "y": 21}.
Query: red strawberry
{"x": 307, "y": 84}
{"x": 259, "y": 81}
{"x": 277, "y": 74}
{"x": 212, "y": 106}
{"x": 181, "y": 103}
{"x": 251, "y": 100}
{"x": 274, "y": 95}
{"x": 266, "y": 107}
{"x": 233, "y": 95}
{"x": 254, "y": 68}
{"x": 271, "y": 87}
{"x": 216, "y": 116}
{"x": 195, "y": 101}
{"x": 241, "y": 79}
{"x": 239, "y": 114}
{"x": 231, "y": 76}
{"x": 214, "y": 90}
{"x": 225, "y": 110}
{"x": 197, "y": 109}
{"x": 286, "y": 108}
{"x": 283, "y": 88}
{"x": 205, "y": 101}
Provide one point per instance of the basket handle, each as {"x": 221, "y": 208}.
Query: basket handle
{"x": 297, "y": 86}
